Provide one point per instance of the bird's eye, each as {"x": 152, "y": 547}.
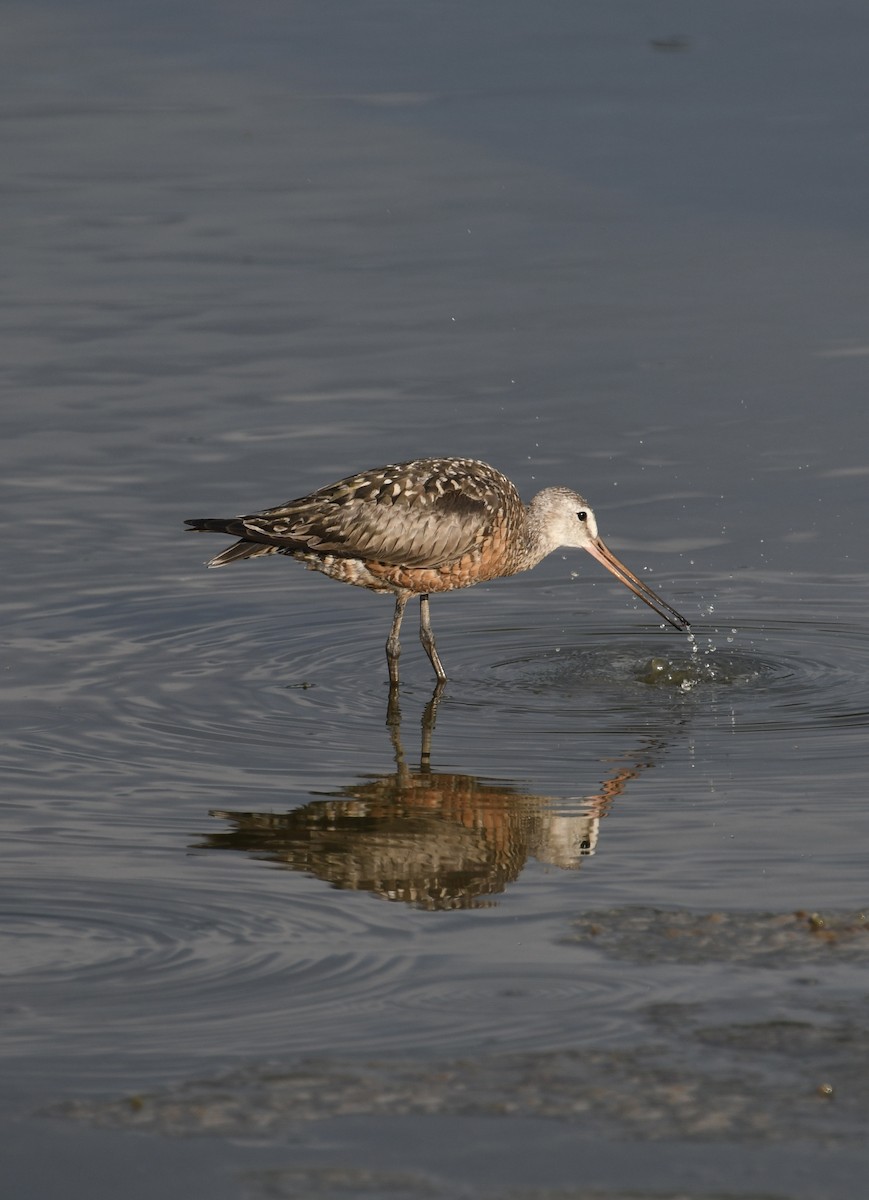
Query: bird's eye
{"x": 583, "y": 515}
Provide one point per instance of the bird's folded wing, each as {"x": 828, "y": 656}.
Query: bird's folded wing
{"x": 409, "y": 521}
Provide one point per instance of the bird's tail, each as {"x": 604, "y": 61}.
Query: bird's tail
{"x": 214, "y": 525}
{"x": 238, "y": 550}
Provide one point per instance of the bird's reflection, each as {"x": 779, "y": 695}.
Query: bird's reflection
{"x": 432, "y": 839}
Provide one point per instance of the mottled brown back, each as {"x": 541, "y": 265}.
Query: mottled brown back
{"x": 423, "y": 513}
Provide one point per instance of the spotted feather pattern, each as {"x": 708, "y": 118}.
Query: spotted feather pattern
{"x": 421, "y": 515}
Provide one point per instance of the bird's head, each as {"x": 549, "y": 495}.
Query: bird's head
{"x": 564, "y": 518}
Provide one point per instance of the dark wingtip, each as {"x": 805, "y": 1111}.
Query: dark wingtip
{"x": 205, "y": 525}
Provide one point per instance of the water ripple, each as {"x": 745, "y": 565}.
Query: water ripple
{"x": 143, "y": 685}
{"x": 108, "y": 964}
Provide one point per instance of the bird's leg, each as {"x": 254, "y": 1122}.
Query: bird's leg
{"x": 393, "y": 721}
{"x": 429, "y": 717}
{"x": 427, "y": 638}
{"x": 393, "y": 709}
{"x": 393, "y": 646}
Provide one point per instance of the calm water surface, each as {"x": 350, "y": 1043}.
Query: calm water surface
{"x": 596, "y": 912}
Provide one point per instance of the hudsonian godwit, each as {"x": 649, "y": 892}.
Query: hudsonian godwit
{"x": 430, "y": 525}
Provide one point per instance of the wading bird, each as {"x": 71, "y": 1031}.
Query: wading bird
{"x": 430, "y": 525}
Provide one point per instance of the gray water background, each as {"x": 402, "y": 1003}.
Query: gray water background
{"x": 620, "y": 247}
